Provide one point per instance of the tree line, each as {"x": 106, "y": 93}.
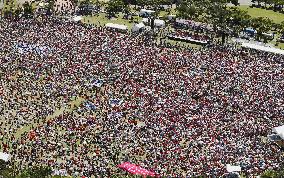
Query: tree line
{"x": 276, "y": 5}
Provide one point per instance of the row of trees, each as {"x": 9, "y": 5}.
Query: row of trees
{"x": 9, "y": 170}
{"x": 10, "y": 9}
{"x": 273, "y": 173}
{"x": 276, "y": 4}
{"x": 228, "y": 19}
{"x": 216, "y": 12}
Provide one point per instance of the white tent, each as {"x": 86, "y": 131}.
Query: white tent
{"x": 170, "y": 17}
{"x": 263, "y": 48}
{"x": 42, "y": 4}
{"x": 145, "y": 11}
{"x": 182, "y": 21}
{"x": 77, "y": 18}
{"x": 231, "y": 168}
{"x": 116, "y": 26}
{"x": 138, "y": 27}
{"x": 279, "y": 131}
{"x": 4, "y": 156}
{"x": 145, "y": 20}
{"x": 159, "y": 23}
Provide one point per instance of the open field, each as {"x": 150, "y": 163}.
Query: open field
{"x": 258, "y": 12}
{"x": 102, "y": 20}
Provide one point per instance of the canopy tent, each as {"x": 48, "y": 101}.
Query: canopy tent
{"x": 182, "y": 21}
{"x": 231, "y": 168}
{"x": 159, "y": 23}
{"x": 171, "y": 17}
{"x": 274, "y": 137}
{"x": 144, "y": 12}
{"x": 138, "y": 27}
{"x": 145, "y": 20}
{"x": 4, "y": 156}
{"x": 77, "y": 18}
{"x": 263, "y": 48}
{"x": 279, "y": 131}
{"x": 116, "y": 26}
{"x": 42, "y": 4}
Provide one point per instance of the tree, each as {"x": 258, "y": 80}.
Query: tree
{"x": 234, "y": 2}
{"x": 273, "y": 173}
{"x": 190, "y": 9}
{"x": 18, "y": 12}
{"x": 36, "y": 172}
{"x": 8, "y": 8}
{"x": 28, "y": 10}
{"x": 239, "y": 19}
{"x": 3, "y": 164}
{"x": 186, "y": 12}
{"x": 5, "y": 170}
{"x": 262, "y": 25}
{"x": 114, "y": 6}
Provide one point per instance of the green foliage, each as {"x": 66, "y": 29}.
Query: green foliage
{"x": 50, "y": 6}
{"x": 28, "y": 9}
{"x": 33, "y": 172}
{"x": 85, "y": 2}
{"x": 191, "y": 9}
{"x": 40, "y": 171}
{"x": 239, "y": 19}
{"x": 115, "y": 6}
{"x": 261, "y": 25}
{"x": 273, "y": 173}
{"x": 269, "y": 174}
{"x": 187, "y": 12}
{"x": 2, "y": 165}
{"x": 235, "y": 2}
{"x": 6, "y": 171}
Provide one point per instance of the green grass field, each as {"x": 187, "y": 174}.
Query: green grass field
{"x": 258, "y": 12}
{"x": 102, "y": 20}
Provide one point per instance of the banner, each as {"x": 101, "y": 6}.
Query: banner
{"x": 134, "y": 169}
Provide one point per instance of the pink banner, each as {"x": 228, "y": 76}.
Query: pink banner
{"x": 134, "y": 169}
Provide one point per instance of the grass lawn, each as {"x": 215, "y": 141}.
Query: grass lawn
{"x": 280, "y": 45}
{"x": 102, "y": 20}
{"x": 258, "y": 12}
{"x": 164, "y": 12}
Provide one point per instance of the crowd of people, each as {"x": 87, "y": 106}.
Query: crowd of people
{"x": 178, "y": 112}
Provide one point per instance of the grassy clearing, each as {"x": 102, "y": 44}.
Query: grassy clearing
{"x": 258, "y": 12}
{"x": 171, "y": 11}
{"x": 101, "y": 19}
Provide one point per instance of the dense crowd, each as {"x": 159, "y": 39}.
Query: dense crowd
{"x": 178, "y": 112}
